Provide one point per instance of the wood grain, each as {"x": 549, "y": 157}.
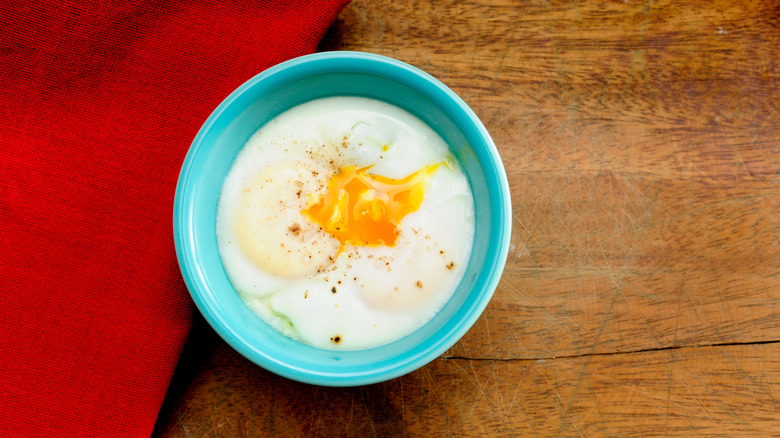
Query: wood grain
{"x": 688, "y": 391}
{"x": 641, "y": 295}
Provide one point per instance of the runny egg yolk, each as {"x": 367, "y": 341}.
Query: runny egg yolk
{"x": 365, "y": 210}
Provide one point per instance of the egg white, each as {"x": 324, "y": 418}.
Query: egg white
{"x": 292, "y": 274}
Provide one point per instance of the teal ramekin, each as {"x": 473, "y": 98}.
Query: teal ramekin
{"x": 262, "y": 98}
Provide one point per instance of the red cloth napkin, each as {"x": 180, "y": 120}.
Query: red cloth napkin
{"x": 99, "y": 102}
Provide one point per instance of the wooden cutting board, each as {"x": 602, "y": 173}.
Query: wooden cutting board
{"x": 641, "y": 296}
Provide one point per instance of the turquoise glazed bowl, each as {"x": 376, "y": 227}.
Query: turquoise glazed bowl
{"x": 271, "y": 93}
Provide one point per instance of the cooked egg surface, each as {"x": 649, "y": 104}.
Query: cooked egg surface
{"x": 361, "y": 209}
{"x": 345, "y": 223}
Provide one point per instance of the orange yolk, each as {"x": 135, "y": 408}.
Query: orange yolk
{"x": 362, "y": 209}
